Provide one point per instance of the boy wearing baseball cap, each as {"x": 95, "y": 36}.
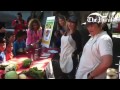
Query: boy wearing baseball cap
{"x": 97, "y": 53}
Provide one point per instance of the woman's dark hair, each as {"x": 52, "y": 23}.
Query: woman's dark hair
{"x": 105, "y": 28}
{"x": 61, "y": 17}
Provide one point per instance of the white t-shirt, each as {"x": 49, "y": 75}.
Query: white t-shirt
{"x": 97, "y": 46}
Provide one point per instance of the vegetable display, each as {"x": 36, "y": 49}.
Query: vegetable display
{"x": 34, "y": 73}
{"x": 2, "y": 67}
{"x": 11, "y": 75}
{"x": 27, "y": 63}
{"x": 22, "y": 76}
{"x": 11, "y": 67}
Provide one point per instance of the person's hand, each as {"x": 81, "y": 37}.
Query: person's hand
{"x": 33, "y": 45}
{"x": 61, "y": 32}
{"x": 40, "y": 40}
{"x": 55, "y": 34}
{"x": 89, "y": 76}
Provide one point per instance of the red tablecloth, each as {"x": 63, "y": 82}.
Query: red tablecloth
{"x": 41, "y": 63}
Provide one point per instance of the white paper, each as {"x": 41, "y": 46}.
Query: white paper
{"x": 52, "y": 51}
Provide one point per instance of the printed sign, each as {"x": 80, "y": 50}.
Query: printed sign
{"x": 48, "y": 31}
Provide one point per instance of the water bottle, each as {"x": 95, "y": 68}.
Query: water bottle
{"x": 32, "y": 57}
{"x": 36, "y": 56}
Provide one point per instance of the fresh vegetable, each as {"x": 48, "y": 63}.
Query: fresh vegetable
{"x": 11, "y": 67}
{"x": 34, "y": 73}
{"x": 2, "y": 67}
{"x": 11, "y": 75}
{"x": 22, "y": 76}
{"x": 27, "y": 63}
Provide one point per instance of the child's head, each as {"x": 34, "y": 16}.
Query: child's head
{"x": 9, "y": 47}
{"x": 2, "y": 44}
{"x": 10, "y": 37}
{"x": 20, "y": 36}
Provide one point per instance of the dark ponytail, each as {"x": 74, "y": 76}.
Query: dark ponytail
{"x": 105, "y": 28}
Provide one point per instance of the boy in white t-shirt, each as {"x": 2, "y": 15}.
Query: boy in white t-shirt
{"x": 97, "y": 53}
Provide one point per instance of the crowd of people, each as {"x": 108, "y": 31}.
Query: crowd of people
{"x": 78, "y": 60}
{"x": 25, "y": 36}
{"x": 95, "y": 54}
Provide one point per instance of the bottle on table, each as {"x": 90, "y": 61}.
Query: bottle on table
{"x": 36, "y": 54}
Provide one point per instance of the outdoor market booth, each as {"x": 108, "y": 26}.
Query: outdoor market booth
{"x": 42, "y": 62}
{"x": 35, "y": 63}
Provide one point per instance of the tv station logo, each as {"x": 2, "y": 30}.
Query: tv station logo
{"x": 99, "y": 19}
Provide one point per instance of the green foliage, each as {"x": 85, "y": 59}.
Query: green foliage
{"x": 27, "y": 63}
{"x": 2, "y": 67}
{"x": 35, "y": 73}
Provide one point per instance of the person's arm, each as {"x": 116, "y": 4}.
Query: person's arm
{"x": 102, "y": 67}
{"x": 105, "y": 49}
{"x": 29, "y": 37}
{"x": 14, "y": 24}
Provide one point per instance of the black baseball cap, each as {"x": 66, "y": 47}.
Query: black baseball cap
{"x": 72, "y": 19}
